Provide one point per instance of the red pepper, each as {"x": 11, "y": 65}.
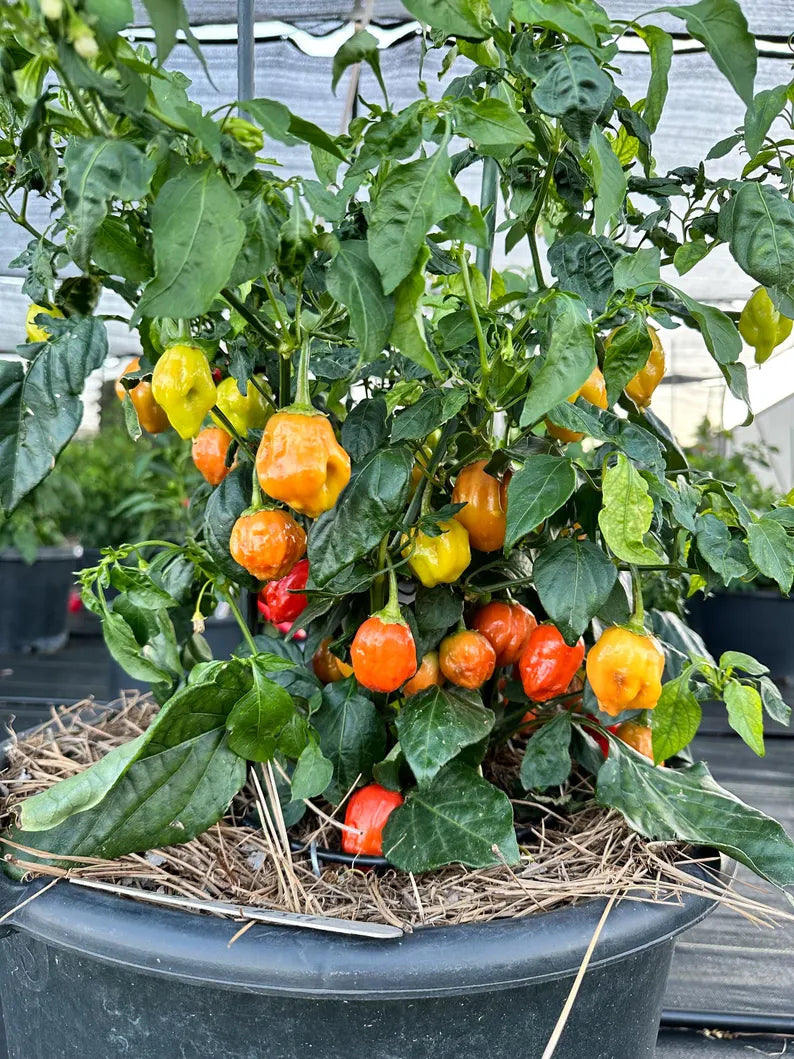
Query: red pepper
{"x": 547, "y": 665}
{"x": 284, "y": 603}
{"x": 367, "y": 812}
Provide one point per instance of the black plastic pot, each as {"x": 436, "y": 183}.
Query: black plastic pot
{"x": 93, "y": 976}
{"x": 758, "y": 623}
{"x": 34, "y": 598}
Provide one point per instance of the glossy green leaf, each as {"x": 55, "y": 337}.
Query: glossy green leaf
{"x": 435, "y": 725}
{"x": 758, "y": 224}
{"x": 492, "y": 124}
{"x": 739, "y": 660}
{"x": 626, "y": 515}
{"x": 626, "y": 354}
{"x": 660, "y": 49}
{"x": 721, "y": 26}
{"x": 118, "y": 252}
{"x": 745, "y": 714}
{"x": 226, "y": 503}
{"x": 573, "y": 88}
{"x": 724, "y": 553}
{"x": 259, "y": 717}
{"x": 536, "y": 491}
{"x": 365, "y": 428}
{"x": 408, "y": 330}
{"x": 719, "y": 331}
{"x": 361, "y": 47}
{"x": 354, "y": 281}
{"x": 676, "y": 718}
{"x": 457, "y": 818}
{"x": 96, "y": 171}
{"x": 584, "y": 265}
{"x": 460, "y": 18}
{"x": 258, "y": 252}
{"x": 603, "y": 425}
{"x": 570, "y": 357}
{"x": 547, "y": 758}
{"x": 761, "y": 113}
{"x": 197, "y": 233}
{"x": 434, "y": 408}
{"x": 609, "y": 180}
{"x": 312, "y": 774}
{"x": 41, "y": 408}
{"x": 413, "y": 197}
{"x": 579, "y": 19}
{"x": 574, "y": 580}
{"x": 688, "y": 805}
{"x": 638, "y": 271}
{"x": 352, "y": 735}
{"x": 773, "y": 702}
{"x": 772, "y": 551}
{"x": 370, "y": 506}
{"x": 281, "y": 124}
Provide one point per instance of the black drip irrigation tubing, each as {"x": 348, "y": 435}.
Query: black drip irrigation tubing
{"x": 734, "y": 1021}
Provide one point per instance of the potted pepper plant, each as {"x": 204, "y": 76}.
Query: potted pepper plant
{"x": 461, "y": 475}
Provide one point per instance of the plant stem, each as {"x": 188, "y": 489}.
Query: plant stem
{"x": 438, "y": 454}
{"x": 85, "y": 113}
{"x": 247, "y": 314}
{"x": 638, "y": 614}
{"x": 19, "y": 218}
{"x": 257, "y": 385}
{"x": 238, "y": 617}
{"x": 533, "y": 218}
{"x": 284, "y": 380}
{"x": 229, "y": 427}
{"x": 490, "y": 183}
{"x": 276, "y": 307}
{"x": 485, "y": 367}
{"x": 303, "y": 397}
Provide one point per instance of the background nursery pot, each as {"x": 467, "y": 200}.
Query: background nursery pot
{"x": 94, "y": 976}
{"x": 761, "y": 621}
{"x": 34, "y": 597}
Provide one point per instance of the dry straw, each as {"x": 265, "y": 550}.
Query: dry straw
{"x": 565, "y": 859}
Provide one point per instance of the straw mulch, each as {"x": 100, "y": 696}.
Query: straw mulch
{"x": 565, "y": 858}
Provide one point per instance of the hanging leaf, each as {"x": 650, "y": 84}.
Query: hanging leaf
{"x": 609, "y": 180}
{"x": 573, "y": 88}
{"x": 436, "y": 724}
{"x": 547, "y": 758}
{"x": 626, "y": 515}
{"x": 721, "y": 26}
{"x": 408, "y": 332}
{"x": 354, "y": 281}
{"x": 361, "y": 47}
{"x": 535, "y": 492}
{"x": 570, "y": 356}
{"x": 676, "y": 719}
{"x": 758, "y": 224}
{"x": 456, "y": 18}
{"x": 574, "y": 580}
{"x": 352, "y": 735}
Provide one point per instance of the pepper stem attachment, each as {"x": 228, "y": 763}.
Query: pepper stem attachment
{"x": 303, "y": 401}
{"x": 637, "y": 620}
{"x": 391, "y": 612}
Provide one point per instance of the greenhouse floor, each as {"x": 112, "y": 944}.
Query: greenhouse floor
{"x": 731, "y": 980}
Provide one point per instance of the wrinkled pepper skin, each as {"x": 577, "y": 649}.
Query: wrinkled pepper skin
{"x": 595, "y": 391}
{"x": 640, "y": 388}
{"x": 150, "y": 415}
{"x": 267, "y": 544}
{"x": 466, "y": 658}
{"x": 328, "y": 667}
{"x": 182, "y": 385}
{"x": 283, "y": 599}
{"x": 636, "y": 735}
{"x": 35, "y": 332}
{"x": 427, "y": 675}
{"x": 383, "y": 654}
{"x": 367, "y": 811}
{"x": 209, "y": 450}
{"x": 625, "y": 670}
{"x": 244, "y": 412}
{"x": 507, "y": 627}
{"x": 762, "y": 326}
{"x": 439, "y": 560}
{"x": 300, "y": 462}
{"x": 547, "y": 664}
{"x": 485, "y": 513}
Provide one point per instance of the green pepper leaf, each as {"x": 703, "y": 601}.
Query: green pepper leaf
{"x": 570, "y": 356}
{"x": 455, "y": 18}
{"x": 258, "y": 718}
{"x": 676, "y": 719}
{"x": 352, "y": 735}
{"x": 536, "y": 491}
{"x": 458, "y": 817}
{"x": 436, "y": 724}
{"x": 721, "y": 26}
{"x": 354, "y": 281}
{"x": 626, "y": 516}
{"x": 574, "y": 580}
{"x": 746, "y": 714}
{"x": 312, "y": 773}
{"x": 772, "y": 551}
{"x": 547, "y": 758}
{"x": 758, "y": 225}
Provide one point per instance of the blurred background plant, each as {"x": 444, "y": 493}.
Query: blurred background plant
{"x": 716, "y": 453}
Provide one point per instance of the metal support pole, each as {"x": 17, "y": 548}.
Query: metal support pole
{"x": 245, "y": 50}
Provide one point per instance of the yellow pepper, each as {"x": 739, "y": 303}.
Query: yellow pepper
{"x": 438, "y": 560}
{"x": 762, "y": 326}
{"x": 593, "y": 390}
{"x": 244, "y": 412}
{"x": 625, "y": 670}
{"x": 182, "y": 385}
{"x": 640, "y": 388}
{"x": 35, "y": 332}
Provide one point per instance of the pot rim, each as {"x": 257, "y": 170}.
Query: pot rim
{"x": 430, "y": 962}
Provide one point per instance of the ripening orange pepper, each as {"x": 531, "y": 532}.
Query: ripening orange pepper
{"x": 209, "y": 450}
{"x": 383, "y": 653}
{"x": 328, "y": 667}
{"x": 150, "y": 415}
{"x": 267, "y": 544}
{"x": 507, "y": 627}
{"x": 427, "y": 675}
{"x": 467, "y": 658}
{"x": 547, "y": 665}
{"x": 625, "y": 670}
{"x": 636, "y": 735}
{"x": 485, "y": 513}
{"x": 640, "y": 388}
{"x": 594, "y": 390}
{"x": 300, "y": 462}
